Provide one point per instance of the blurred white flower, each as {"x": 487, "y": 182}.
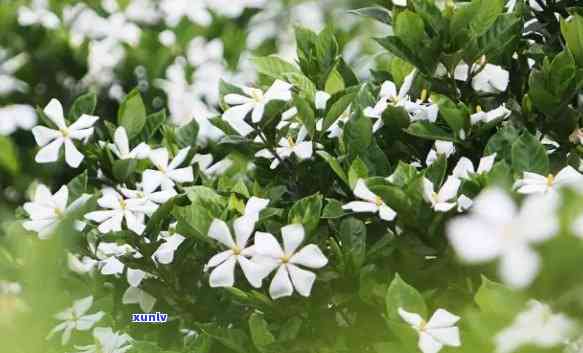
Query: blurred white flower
{"x": 116, "y": 209}
{"x": 486, "y": 78}
{"x": 206, "y": 166}
{"x": 8, "y": 67}
{"x": 81, "y": 264}
{"x": 149, "y": 199}
{"x": 441, "y": 148}
{"x": 533, "y": 183}
{"x": 47, "y": 210}
{"x": 167, "y": 174}
{"x": 74, "y": 318}
{"x": 371, "y": 204}
{"x": 200, "y": 51}
{"x": 499, "y": 113}
{"x": 442, "y": 200}
{"x": 38, "y": 14}
{"x": 167, "y": 38}
{"x": 223, "y": 263}
{"x": 165, "y": 252}
{"x": 107, "y": 341}
{"x": 536, "y": 326}
{"x": 287, "y": 261}
{"x": 253, "y": 101}
{"x": 254, "y": 206}
{"x": 436, "y": 333}
{"x": 15, "y": 116}
{"x": 496, "y": 229}
{"x": 121, "y": 146}
{"x": 195, "y": 11}
{"x": 389, "y": 96}
{"x": 465, "y": 168}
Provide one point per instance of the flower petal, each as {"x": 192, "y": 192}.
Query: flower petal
{"x": 293, "y": 235}
{"x": 302, "y": 280}
{"x": 224, "y": 274}
{"x": 281, "y": 286}
{"x": 310, "y": 256}
{"x": 220, "y": 232}
{"x": 50, "y": 152}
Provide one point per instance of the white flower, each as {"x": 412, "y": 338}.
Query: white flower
{"x": 301, "y": 148}
{"x": 288, "y": 260}
{"x": 489, "y": 79}
{"x": 201, "y": 51}
{"x": 402, "y": 3}
{"x": 165, "y": 252}
{"x": 117, "y": 208}
{"x": 422, "y": 110}
{"x": 464, "y": 203}
{"x": 206, "y": 167}
{"x": 389, "y": 96}
{"x": 254, "y": 206}
{"x": 79, "y": 264}
{"x": 8, "y": 67}
{"x": 74, "y": 318}
{"x": 121, "y": 146}
{"x": 321, "y": 99}
{"x": 195, "y": 11}
{"x": 47, "y": 210}
{"x": 536, "y": 326}
{"x": 499, "y": 113}
{"x": 495, "y": 229}
{"x": 223, "y": 274}
{"x": 107, "y": 341}
{"x": 372, "y": 203}
{"x": 15, "y": 116}
{"x": 253, "y": 101}
{"x": 135, "y": 295}
{"x": 118, "y": 29}
{"x": 148, "y": 200}
{"x": 51, "y": 140}
{"x": 533, "y": 183}
{"x": 436, "y": 333}
{"x": 108, "y": 254}
{"x": 167, "y": 174}
{"x": 464, "y": 168}
{"x": 39, "y": 14}
{"x": 444, "y": 148}
{"x": 441, "y": 201}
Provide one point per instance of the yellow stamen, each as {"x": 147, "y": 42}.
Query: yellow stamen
{"x": 291, "y": 141}
{"x": 423, "y": 95}
{"x": 256, "y": 94}
{"x": 378, "y": 201}
{"x": 65, "y": 132}
{"x": 285, "y": 259}
{"x": 478, "y": 109}
{"x": 550, "y": 180}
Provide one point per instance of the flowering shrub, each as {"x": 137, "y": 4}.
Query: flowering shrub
{"x": 432, "y": 206}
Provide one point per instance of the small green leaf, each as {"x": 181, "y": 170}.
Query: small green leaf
{"x": 402, "y": 295}
{"x": 9, "y": 159}
{"x": 358, "y": 170}
{"x": 132, "y": 114}
{"x": 187, "y": 135}
{"x": 333, "y": 209}
{"x": 430, "y": 131}
{"x": 335, "y": 165}
{"x": 529, "y": 155}
{"x": 307, "y": 211}
{"x": 572, "y": 30}
{"x": 124, "y": 168}
{"x": 353, "y": 235}
{"x": 497, "y": 299}
{"x": 376, "y": 12}
{"x": 260, "y": 334}
{"x": 275, "y": 67}
{"x": 84, "y": 104}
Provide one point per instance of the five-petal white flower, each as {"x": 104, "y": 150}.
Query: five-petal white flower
{"x": 167, "y": 174}
{"x": 121, "y": 146}
{"x": 440, "y": 148}
{"x": 533, "y": 183}
{"x": 537, "y": 326}
{"x": 499, "y": 113}
{"x": 496, "y": 229}
{"x": 117, "y": 208}
{"x": 389, "y": 95}
{"x": 288, "y": 260}
{"x": 441, "y": 201}
{"x": 223, "y": 274}
{"x": 464, "y": 168}
{"x": 254, "y": 101}
{"x": 74, "y": 318}
{"x": 372, "y": 203}
{"x": 51, "y": 140}
{"x": 436, "y": 333}
{"x": 301, "y": 148}
{"x": 107, "y": 341}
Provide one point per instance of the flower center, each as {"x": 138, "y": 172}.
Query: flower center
{"x": 285, "y": 259}
{"x": 236, "y": 250}
{"x": 478, "y": 109}
{"x": 257, "y": 95}
{"x": 123, "y": 204}
{"x": 434, "y": 196}
{"x": 378, "y": 201}
{"x": 65, "y": 132}
{"x": 59, "y": 212}
{"x": 550, "y": 180}
{"x": 423, "y": 325}
{"x": 291, "y": 141}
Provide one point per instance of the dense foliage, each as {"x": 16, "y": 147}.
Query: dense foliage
{"x": 302, "y": 204}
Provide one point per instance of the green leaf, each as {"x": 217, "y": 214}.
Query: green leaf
{"x": 430, "y": 14}
{"x": 231, "y": 338}
{"x": 303, "y": 84}
{"x": 497, "y": 299}
{"x": 187, "y": 135}
{"x": 457, "y": 116}
{"x": 84, "y": 104}
{"x": 358, "y": 170}
{"x": 376, "y": 12}
{"x": 501, "y": 143}
{"x": 275, "y": 67}
{"x": 333, "y": 209}
{"x": 402, "y": 295}
{"x": 486, "y": 14}
{"x": 307, "y": 211}
{"x": 77, "y": 186}
{"x": 124, "y": 168}
{"x": 9, "y": 160}
{"x": 497, "y": 38}
{"x": 358, "y": 134}
{"x": 572, "y": 30}
{"x": 160, "y": 219}
{"x": 306, "y": 115}
{"x": 430, "y": 131}
{"x": 410, "y": 28}
{"x": 353, "y": 235}
{"x": 338, "y": 108}
{"x": 529, "y": 155}
{"x": 437, "y": 170}
{"x": 403, "y": 174}
{"x": 334, "y": 164}
{"x": 132, "y": 114}
{"x": 153, "y": 123}
{"x": 260, "y": 334}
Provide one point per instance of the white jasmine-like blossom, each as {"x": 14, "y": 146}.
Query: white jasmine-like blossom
{"x": 465, "y": 168}
{"x": 38, "y": 14}
{"x": 223, "y": 263}
{"x": 52, "y": 140}
{"x": 116, "y": 208}
{"x": 287, "y": 147}
{"x": 16, "y": 116}
{"x": 165, "y": 252}
{"x": 104, "y": 56}
{"x": 234, "y": 9}
{"x": 75, "y": 318}
{"x": 206, "y": 78}
{"x": 254, "y": 206}
{"x": 499, "y": 113}
{"x": 201, "y": 51}
{"x": 254, "y": 101}
{"x": 107, "y": 341}
{"x": 83, "y": 22}
{"x": 371, "y": 203}
{"x": 436, "y": 333}
{"x": 119, "y": 29}
{"x": 135, "y": 295}
{"x": 402, "y": 3}
{"x": 287, "y": 261}
{"x": 81, "y": 264}
{"x": 146, "y": 199}
{"x": 536, "y": 326}
{"x": 464, "y": 203}
{"x": 167, "y": 173}
{"x": 496, "y": 229}
{"x": 443, "y": 200}
{"x": 445, "y": 148}
{"x": 532, "y": 183}
{"x": 167, "y": 38}
{"x": 47, "y": 210}
{"x": 206, "y": 166}
{"x": 423, "y": 109}
{"x": 121, "y": 146}
{"x": 195, "y": 11}
{"x": 487, "y": 78}
{"x": 108, "y": 254}
{"x": 8, "y": 67}
{"x": 390, "y": 96}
